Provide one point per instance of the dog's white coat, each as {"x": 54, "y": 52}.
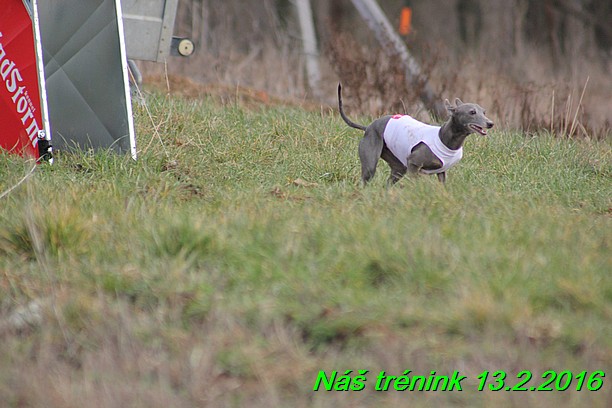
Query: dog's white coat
{"x": 403, "y": 132}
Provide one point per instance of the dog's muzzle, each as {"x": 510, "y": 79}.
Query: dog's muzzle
{"x": 479, "y": 129}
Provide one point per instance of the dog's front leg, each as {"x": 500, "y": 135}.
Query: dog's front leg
{"x": 413, "y": 169}
{"x": 442, "y": 177}
{"x": 397, "y": 172}
{"x": 395, "y": 176}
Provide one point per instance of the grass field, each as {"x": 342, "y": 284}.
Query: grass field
{"x": 239, "y": 257}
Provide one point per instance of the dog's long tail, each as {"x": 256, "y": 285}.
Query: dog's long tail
{"x": 344, "y": 117}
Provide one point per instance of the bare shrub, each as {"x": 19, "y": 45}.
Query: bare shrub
{"x": 378, "y": 80}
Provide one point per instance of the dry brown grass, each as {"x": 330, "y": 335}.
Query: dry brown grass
{"x": 533, "y": 103}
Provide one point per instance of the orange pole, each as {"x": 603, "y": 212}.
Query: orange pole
{"x": 405, "y": 21}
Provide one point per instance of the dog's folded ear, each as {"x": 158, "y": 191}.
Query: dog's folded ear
{"x": 458, "y": 102}
{"x": 448, "y": 106}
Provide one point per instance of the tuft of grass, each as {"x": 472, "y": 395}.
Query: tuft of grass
{"x": 239, "y": 256}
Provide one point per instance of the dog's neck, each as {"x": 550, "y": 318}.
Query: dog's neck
{"x": 452, "y": 134}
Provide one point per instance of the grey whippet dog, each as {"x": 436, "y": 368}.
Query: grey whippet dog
{"x": 408, "y": 145}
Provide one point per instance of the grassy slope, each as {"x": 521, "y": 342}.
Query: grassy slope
{"x": 230, "y": 264}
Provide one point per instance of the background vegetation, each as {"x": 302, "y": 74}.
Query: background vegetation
{"x": 534, "y": 64}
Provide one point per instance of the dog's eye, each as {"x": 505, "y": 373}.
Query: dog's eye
{"x": 473, "y": 112}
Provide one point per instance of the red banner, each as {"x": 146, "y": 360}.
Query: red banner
{"x": 20, "y": 108}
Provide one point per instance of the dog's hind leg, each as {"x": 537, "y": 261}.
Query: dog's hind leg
{"x": 370, "y": 148}
{"x": 398, "y": 170}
